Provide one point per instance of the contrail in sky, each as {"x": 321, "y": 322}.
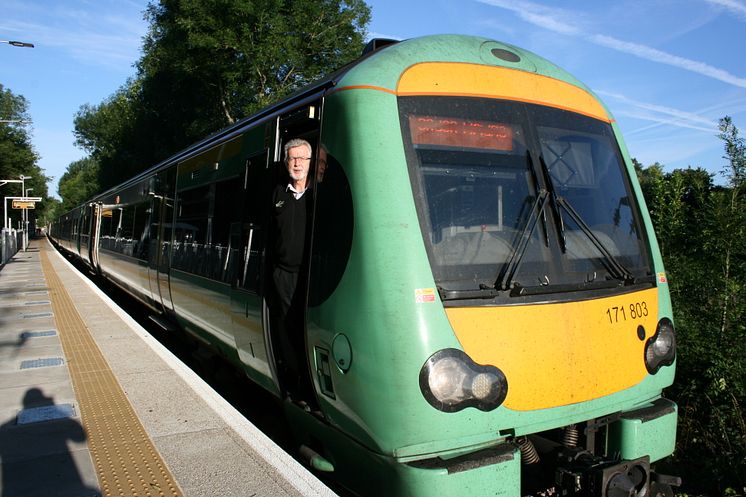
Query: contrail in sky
{"x": 656, "y": 55}
{"x": 559, "y": 21}
{"x": 737, "y": 8}
{"x": 662, "y": 115}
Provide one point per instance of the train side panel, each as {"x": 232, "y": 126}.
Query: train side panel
{"x": 215, "y": 280}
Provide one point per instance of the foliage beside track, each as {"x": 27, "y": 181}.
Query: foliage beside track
{"x": 206, "y": 65}
{"x": 17, "y": 155}
{"x": 701, "y": 228}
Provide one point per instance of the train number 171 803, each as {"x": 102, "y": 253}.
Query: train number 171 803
{"x": 636, "y": 310}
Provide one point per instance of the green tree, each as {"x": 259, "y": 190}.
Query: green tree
{"x": 78, "y": 184}
{"x": 17, "y": 156}
{"x": 231, "y": 57}
{"x": 676, "y": 201}
{"x": 52, "y": 211}
{"x": 207, "y": 64}
{"x": 732, "y": 221}
{"x": 111, "y": 133}
{"x": 701, "y": 228}
{"x": 16, "y": 153}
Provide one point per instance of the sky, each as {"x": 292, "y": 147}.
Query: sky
{"x": 667, "y": 69}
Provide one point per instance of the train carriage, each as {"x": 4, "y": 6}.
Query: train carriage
{"x": 486, "y": 309}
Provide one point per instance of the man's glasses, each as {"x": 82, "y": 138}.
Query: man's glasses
{"x": 298, "y": 159}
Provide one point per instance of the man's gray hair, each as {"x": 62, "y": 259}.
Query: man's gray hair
{"x": 297, "y": 142}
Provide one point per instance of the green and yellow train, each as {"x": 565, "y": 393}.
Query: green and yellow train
{"x": 486, "y": 309}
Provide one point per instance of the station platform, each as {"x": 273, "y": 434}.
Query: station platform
{"x": 92, "y": 405}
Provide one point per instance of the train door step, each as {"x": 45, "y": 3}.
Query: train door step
{"x": 163, "y": 323}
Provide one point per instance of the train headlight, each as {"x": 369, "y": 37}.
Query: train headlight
{"x": 451, "y": 381}
{"x": 660, "y": 349}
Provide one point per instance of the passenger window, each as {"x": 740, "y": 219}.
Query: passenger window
{"x": 191, "y": 217}
{"x": 132, "y": 235}
{"x": 109, "y": 222}
{"x": 227, "y": 208}
{"x": 249, "y": 240}
{"x": 124, "y": 234}
{"x": 105, "y": 229}
{"x": 190, "y": 230}
{"x": 141, "y": 231}
{"x": 202, "y": 230}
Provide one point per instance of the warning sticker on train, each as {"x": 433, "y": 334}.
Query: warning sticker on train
{"x": 422, "y": 295}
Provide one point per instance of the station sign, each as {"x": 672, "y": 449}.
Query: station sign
{"x": 20, "y": 204}
{"x": 25, "y": 202}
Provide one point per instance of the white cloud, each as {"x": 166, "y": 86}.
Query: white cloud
{"x": 655, "y": 55}
{"x": 554, "y": 19}
{"x": 93, "y": 34}
{"x": 661, "y": 115}
{"x": 659, "y": 120}
{"x": 733, "y": 6}
{"x": 563, "y": 21}
{"x": 550, "y": 23}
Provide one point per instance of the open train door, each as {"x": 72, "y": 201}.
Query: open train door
{"x": 96, "y": 210}
{"x": 253, "y": 307}
{"x": 290, "y": 344}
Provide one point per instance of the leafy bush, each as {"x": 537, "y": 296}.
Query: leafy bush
{"x": 701, "y": 228}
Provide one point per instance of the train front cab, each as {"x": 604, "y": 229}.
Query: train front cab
{"x": 500, "y": 324}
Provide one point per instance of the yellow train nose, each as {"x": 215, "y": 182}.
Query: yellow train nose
{"x": 562, "y": 353}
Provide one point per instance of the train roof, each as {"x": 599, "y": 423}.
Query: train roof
{"x": 384, "y": 68}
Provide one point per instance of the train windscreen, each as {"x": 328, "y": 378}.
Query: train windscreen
{"x": 521, "y": 198}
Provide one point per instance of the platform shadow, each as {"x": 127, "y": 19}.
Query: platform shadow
{"x": 16, "y": 344}
{"x": 36, "y": 458}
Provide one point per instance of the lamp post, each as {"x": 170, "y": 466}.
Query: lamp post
{"x": 23, "y": 184}
{"x": 5, "y": 182}
{"x": 25, "y": 222}
{"x": 21, "y": 44}
{"x": 23, "y": 212}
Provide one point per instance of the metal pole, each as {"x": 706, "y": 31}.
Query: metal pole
{"x": 23, "y": 213}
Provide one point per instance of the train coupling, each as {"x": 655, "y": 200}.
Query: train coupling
{"x": 584, "y": 475}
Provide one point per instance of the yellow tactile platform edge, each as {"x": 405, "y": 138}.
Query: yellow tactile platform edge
{"x": 125, "y": 458}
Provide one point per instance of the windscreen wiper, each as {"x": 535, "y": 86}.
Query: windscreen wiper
{"x": 508, "y": 272}
{"x": 483, "y": 292}
{"x": 505, "y": 278}
{"x": 559, "y": 223}
{"x": 615, "y": 268}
